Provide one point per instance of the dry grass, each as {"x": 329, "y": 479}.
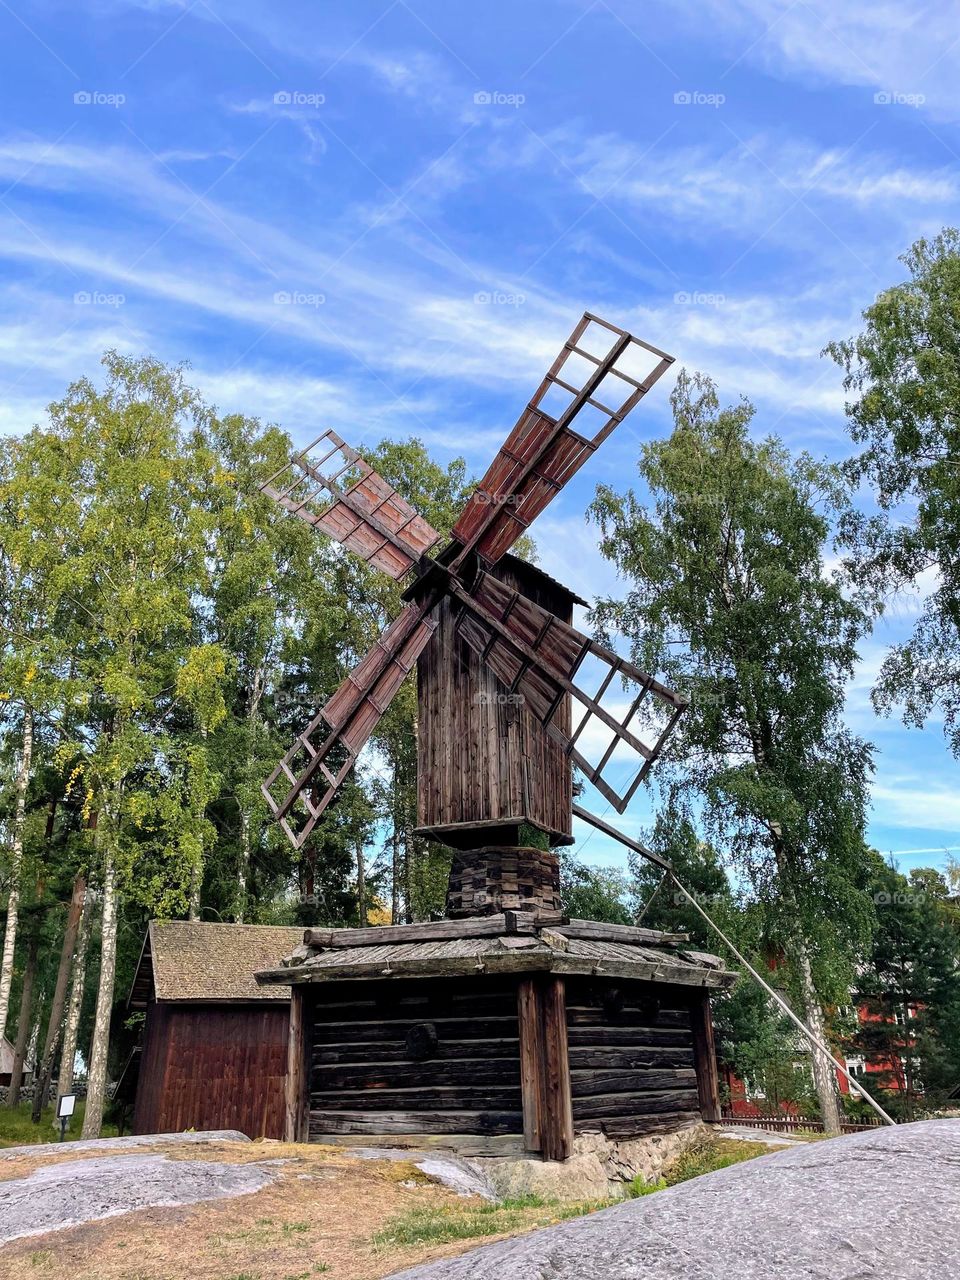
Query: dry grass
{"x": 327, "y": 1214}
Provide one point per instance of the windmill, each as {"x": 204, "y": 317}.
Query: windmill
{"x": 497, "y": 633}
{"x": 507, "y": 1017}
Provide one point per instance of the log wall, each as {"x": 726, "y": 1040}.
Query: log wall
{"x": 482, "y": 758}
{"x": 430, "y": 1056}
{"x": 213, "y": 1067}
{"x": 631, "y": 1052}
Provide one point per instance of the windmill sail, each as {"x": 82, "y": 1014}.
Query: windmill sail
{"x": 568, "y": 418}
{"x": 536, "y": 655}
{"x": 310, "y": 774}
{"x": 329, "y": 485}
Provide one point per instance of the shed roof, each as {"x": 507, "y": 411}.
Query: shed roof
{"x": 190, "y": 960}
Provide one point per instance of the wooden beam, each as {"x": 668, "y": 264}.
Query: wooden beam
{"x": 531, "y": 1058}
{"x": 597, "y": 931}
{"x": 295, "y": 1095}
{"x": 557, "y": 1127}
{"x": 705, "y": 1059}
{"x": 431, "y": 931}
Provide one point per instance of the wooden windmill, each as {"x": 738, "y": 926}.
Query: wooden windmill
{"x": 500, "y": 666}
{"x": 461, "y": 1025}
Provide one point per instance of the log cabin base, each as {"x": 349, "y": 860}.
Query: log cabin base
{"x": 522, "y": 1025}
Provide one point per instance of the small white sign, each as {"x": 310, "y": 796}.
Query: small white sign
{"x": 65, "y": 1105}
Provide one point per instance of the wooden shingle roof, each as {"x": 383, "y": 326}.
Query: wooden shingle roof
{"x": 511, "y": 943}
{"x": 194, "y": 961}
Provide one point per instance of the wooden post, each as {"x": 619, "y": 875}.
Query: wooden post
{"x": 295, "y": 1120}
{"x": 531, "y": 1057}
{"x": 545, "y": 1067}
{"x": 705, "y": 1058}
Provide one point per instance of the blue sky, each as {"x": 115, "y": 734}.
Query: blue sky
{"x": 384, "y": 217}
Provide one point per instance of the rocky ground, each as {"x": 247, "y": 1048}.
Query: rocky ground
{"x": 882, "y": 1204}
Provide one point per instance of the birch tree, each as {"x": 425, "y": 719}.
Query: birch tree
{"x": 727, "y": 593}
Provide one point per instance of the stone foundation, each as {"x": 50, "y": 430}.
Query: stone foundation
{"x": 598, "y": 1168}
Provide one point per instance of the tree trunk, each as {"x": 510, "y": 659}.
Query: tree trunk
{"x": 243, "y": 871}
{"x": 16, "y": 866}
{"x": 100, "y": 1043}
{"x": 77, "y": 979}
{"x": 55, "y": 1024}
{"x": 824, "y": 1071}
{"x": 361, "y": 886}
{"x": 23, "y": 1022}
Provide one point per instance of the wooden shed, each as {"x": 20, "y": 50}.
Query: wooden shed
{"x": 499, "y": 1025}
{"x": 214, "y": 1049}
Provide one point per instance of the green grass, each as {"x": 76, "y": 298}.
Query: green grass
{"x": 446, "y": 1223}
{"x": 18, "y": 1130}
{"x": 707, "y": 1157}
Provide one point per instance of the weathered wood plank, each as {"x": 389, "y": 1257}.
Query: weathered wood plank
{"x": 639, "y": 1059}
{"x": 598, "y": 931}
{"x": 705, "y": 1055}
{"x": 295, "y": 1098}
{"x": 421, "y": 1098}
{"x": 400, "y": 1075}
{"x": 637, "y": 1038}
{"x": 367, "y": 1122}
{"x": 430, "y": 931}
{"x": 627, "y": 1104}
{"x": 395, "y": 1051}
{"x": 556, "y": 1130}
{"x": 638, "y": 1126}
{"x": 639, "y": 1018}
{"x": 531, "y": 1059}
{"x": 591, "y": 1083}
{"x": 464, "y": 1029}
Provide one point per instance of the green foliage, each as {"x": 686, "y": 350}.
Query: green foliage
{"x": 729, "y": 597}
{"x": 903, "y": 370}
{"x": 909, "y": 985}
{"x": 595, "y": 893}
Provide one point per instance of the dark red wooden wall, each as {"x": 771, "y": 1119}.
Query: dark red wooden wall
{"x": 208, "y": 1066}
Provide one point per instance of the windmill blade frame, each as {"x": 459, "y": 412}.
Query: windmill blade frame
{"x": 543, "y": 452}
{"x": 366, "y": 514}
{"x": 343, "y": 726}
{"x": 535, "y": 654}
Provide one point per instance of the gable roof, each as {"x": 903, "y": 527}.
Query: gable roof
{"x": 190, "y": 960}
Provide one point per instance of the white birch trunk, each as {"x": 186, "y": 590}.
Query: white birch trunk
{"x": 77, "y": 981}
{"x": 16, "y": 867}
{"x": 100, "y": 1043}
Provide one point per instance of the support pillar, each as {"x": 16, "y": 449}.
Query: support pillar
{"x": 545, "y": 1067}
{"x": 705, "y": 1058}
{"x": 297, "y": 1084}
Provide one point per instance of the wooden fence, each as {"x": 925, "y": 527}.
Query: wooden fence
{"x": 790, "y": 1124}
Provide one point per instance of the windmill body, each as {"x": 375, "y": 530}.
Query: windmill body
{"x": 507, "y": 1018}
